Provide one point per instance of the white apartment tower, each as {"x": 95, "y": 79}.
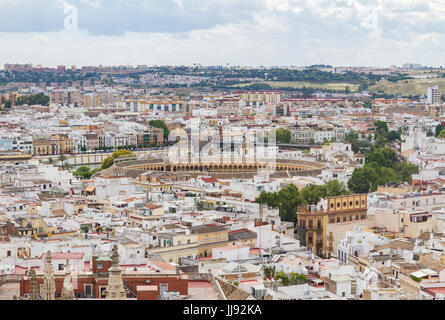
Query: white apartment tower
{"x": 433, "y": 95}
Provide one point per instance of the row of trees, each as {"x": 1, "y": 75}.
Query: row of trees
{"x": 289, "y": 198}
{"x": 38, "y": 98}
{"x": 132, "y": 147}
{"x": 47, "y": 77}
{"x": 109, "y": 161}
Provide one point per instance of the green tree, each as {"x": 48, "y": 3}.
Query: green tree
{"x": 283, "y": 277}
{"x": 84, "y": 172}
{"x": 39, "y": 98}
{"x": 380, "y": 172}
{"x": 286, "y": 200}
{"x": 393, "y": 135}
{"x": 359, "y": 182}
{"x": 439, "y": 128}
{"x": 283, "y": 135}
{"x": 335, "y": 188}
{"x": 109, "y": 161}
{"x": 384, "y": 156}
{"x": 8, "y": 104}
{"x": 312, "y": 194}
{"x": 289, "y": 198}
{"x": 353, "y": 138}
{"x": 381, "y": 126}
{"x": 429, "y": 133}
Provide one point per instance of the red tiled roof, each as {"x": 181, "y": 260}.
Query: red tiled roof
{"x": 209, "y": 180}
{"x": 435, "y": 291}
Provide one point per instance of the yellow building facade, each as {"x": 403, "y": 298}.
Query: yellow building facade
{"x": 312, "y": 225}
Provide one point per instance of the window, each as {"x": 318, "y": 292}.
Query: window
{"x": 8, "y": 254}
{"x": 61, "y": 266}
{"x": 163, "y": 288}
{"x": 99, "y": 265}
{"x": 88, "y": 290}
{"x": 102, "y": 289}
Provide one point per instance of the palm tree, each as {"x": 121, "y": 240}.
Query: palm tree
{"x": 65, "y": 164}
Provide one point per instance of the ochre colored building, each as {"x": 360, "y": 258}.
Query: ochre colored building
{"x": 312, "y": 224}
{"x": 210, "y": 236}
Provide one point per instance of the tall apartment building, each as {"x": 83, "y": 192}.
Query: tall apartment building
{"x": 151, "y": 105}
{"x": 268, "y": 97}
{"x": 433, "y": 95}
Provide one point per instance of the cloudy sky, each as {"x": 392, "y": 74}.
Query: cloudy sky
{"x": 217, "y": 32}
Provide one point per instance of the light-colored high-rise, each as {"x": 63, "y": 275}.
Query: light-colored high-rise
{"x": 433, "y": 95}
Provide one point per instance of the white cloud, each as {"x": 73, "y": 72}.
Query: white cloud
{"x": 42, "y": 40}
{"x": 251, "y": 32}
